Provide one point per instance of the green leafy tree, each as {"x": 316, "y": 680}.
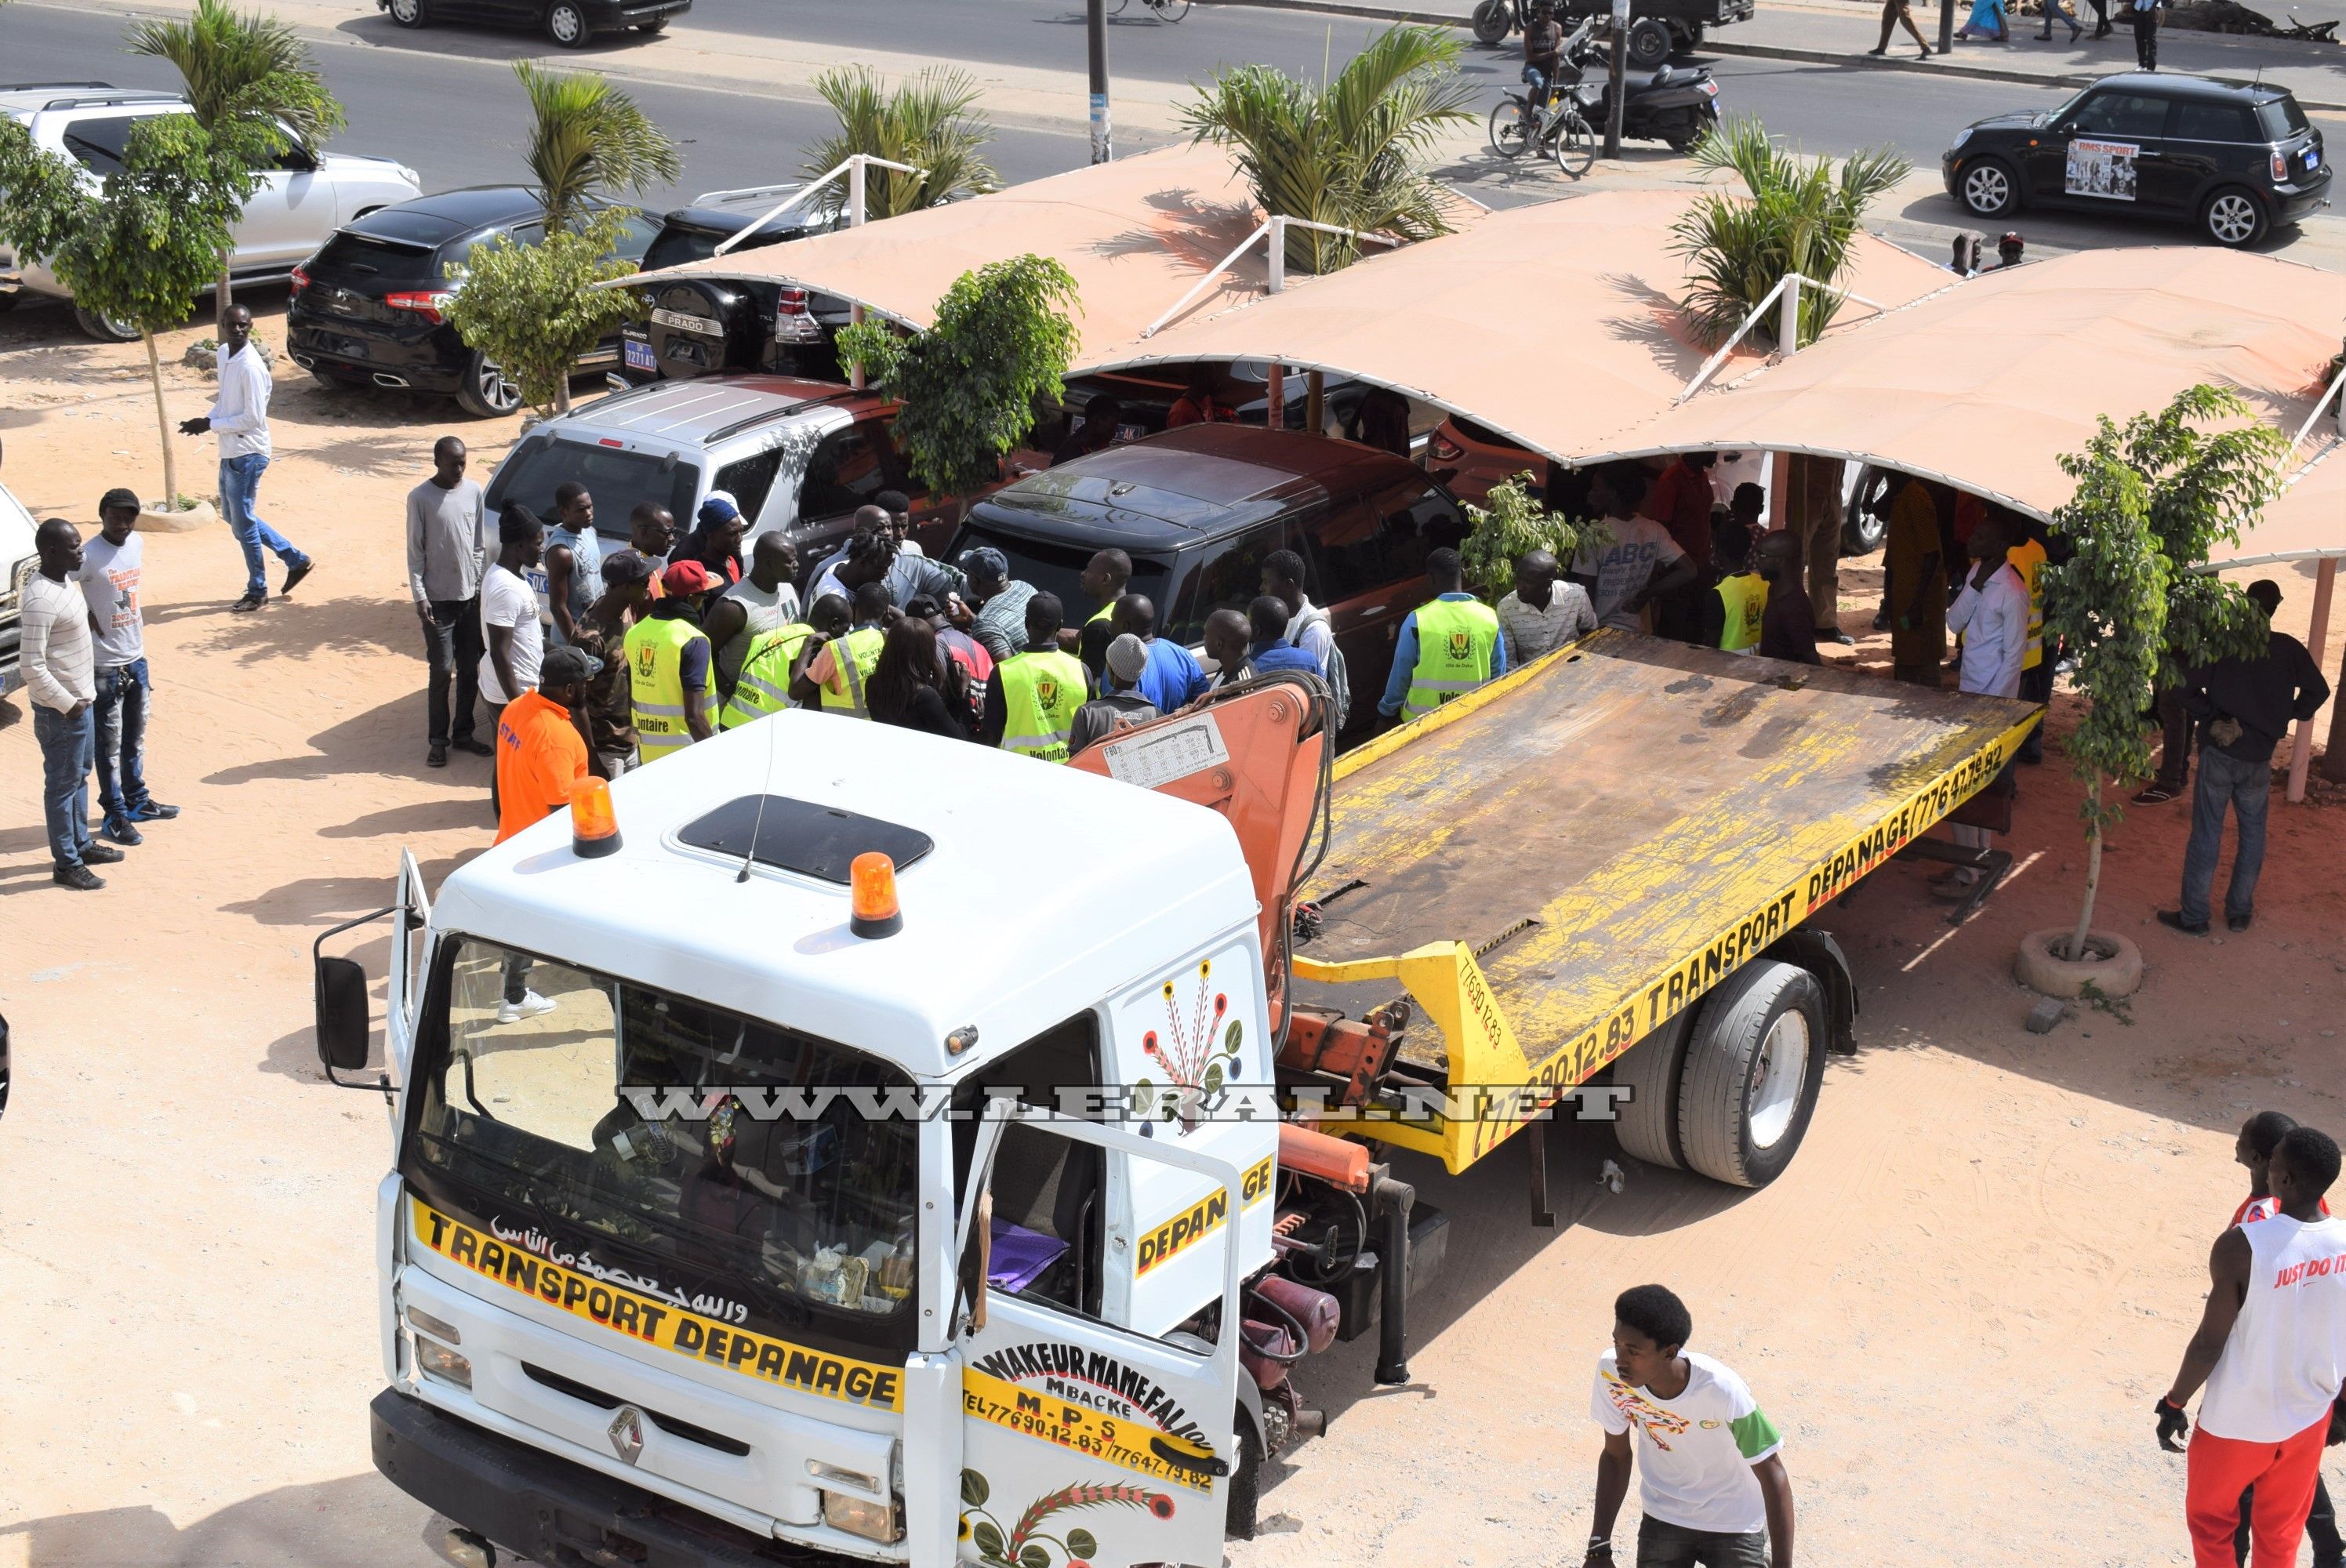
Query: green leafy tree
{"x": 2154, "y": 496}
{"x": 1794, "y": 214}
{"x": 251, "y": 82}
{"x": 534, "y": 311}
{"x": 1515, "y": 523}
{"x": 930, "y": 122}
{"x": 969, "y": 384}
{"x": 141, "y": 248}
{"x": 588, "y": 143}
{"x": 1352, "y": 151}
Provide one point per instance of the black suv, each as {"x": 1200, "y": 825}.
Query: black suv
{"x": 699, "y": 325}
{"x": 2232, "y": 157}
{"x": 366, "y": 310}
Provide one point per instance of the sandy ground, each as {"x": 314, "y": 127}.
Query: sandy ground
{"x": 1958, "y": 1305}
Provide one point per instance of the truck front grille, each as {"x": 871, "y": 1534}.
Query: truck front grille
{"x": 667, "y": 1423}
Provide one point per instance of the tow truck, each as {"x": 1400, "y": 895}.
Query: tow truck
{"x": 835, "y": 1145}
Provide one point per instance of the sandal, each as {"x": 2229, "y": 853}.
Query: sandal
{"x": 247, "y": 605}
{"x": 2157, "y": 795}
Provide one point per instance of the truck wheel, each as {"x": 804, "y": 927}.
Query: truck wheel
{"x": 1246, "y": 1481}
{"x": 1647, "y": 1123}
{"x": 1752, "y": 1074}
{"x": 1649, "y": 43}
{"x": 1689, "y": 40}
{"x": 1492, "y": 21}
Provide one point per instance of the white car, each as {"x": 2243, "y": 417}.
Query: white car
{"x": 300, "y": 202}
{"x": 17, "y": 562}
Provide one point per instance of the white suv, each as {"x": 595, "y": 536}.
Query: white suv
{"x": 17, "y": 564}
{"x": 300, "y": 202}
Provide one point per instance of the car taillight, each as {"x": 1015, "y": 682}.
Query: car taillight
{"x": 424, "y": 304}
{"x": 1445, "y": 451}
{"x": 2281, "y": 166}
{"x": 301, "y": 280}
{"x": 792, "y": 302}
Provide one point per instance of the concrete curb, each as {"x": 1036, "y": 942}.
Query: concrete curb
{"x": 1938, "y": 63}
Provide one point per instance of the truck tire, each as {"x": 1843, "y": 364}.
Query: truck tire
{"x": 1647, "y": 1124}
{"x": 1751, "y": 1076}
{"x": 1649, "y": 43}
{"x": 1685, "y": 40}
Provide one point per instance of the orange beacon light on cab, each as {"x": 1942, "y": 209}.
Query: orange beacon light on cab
{"x": 871, "y": 889}
{"x": 594, "y": 826}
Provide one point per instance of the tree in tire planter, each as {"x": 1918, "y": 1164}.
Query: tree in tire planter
{"x": 139, "y": 250}
{"x": 2153, "y": 498}
{"x": 534, "y": 311}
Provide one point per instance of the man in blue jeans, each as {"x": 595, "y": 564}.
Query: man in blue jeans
{"x": 55, "y": 654}
{"x": 2243, "y": 707}
{"x": 240, "y": 415}
{"x": 111, "y": 567}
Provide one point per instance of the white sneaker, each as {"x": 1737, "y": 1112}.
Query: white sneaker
{"x": 530, "y": 1005}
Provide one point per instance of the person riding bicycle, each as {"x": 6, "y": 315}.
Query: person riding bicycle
{"x": 1542, "y": 52}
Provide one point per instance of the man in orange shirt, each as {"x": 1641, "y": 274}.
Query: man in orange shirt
{"x": 540, "y": 752}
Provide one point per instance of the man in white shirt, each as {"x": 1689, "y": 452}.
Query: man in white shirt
{"x": 59, "y": 679}
{"x": 111, "y": 567}
{"x": 1641, "y": 562}
{"x": 241, "y": 417}
{"x": 1540, "y": 615}
{"x": 511, "y": 635}
{"x": 2272, "y": 1350}
{"x": 1709, "y": 1463}
{"x": 1990, "y": 615}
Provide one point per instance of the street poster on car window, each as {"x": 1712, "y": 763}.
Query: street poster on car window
{"x": 2103, "y": 169}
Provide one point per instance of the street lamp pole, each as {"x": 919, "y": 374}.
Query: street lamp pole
{"x": 1095, "y": 32}
{"x": 1946, "y": 27}
{"x": 1620, "y": 71}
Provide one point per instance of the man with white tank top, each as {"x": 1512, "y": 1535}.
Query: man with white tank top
{"x": 2271, "y": 1350}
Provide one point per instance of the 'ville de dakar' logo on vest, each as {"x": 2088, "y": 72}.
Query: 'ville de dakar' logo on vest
{"x": 1046, "y": 691}
{"x": 1460, "y": 642}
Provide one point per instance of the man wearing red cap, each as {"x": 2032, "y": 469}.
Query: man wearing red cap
{"x": 667, "y": 666}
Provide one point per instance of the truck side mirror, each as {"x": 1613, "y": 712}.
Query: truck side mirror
{"x": 343, "y": 1025}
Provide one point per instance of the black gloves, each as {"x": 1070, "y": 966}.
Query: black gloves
{"x": 2171, "y": 1425}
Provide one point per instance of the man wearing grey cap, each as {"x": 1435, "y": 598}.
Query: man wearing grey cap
{"x": 2243, "y": 707}
{"x": 1000, "y": 622}
{"x": 1118, "y": 705}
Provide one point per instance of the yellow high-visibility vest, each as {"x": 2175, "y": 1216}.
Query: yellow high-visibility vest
{"x": 656, "y": 648}
{"x": 1745, "y": 599}
{"x": 1040, "y": 694}
{"x": 2025, "y": 557}
{"x": 764, "y": 684}
{"x": 1455, "y": 639}
{"x": 856, "y": 654}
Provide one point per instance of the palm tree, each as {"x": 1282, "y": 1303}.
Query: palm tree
{"x": 1796, "y": 215}
{"x": 589, "y": 141}
{"x": 250, "y": 82}
{"x": 1349, "y": 152}
{"x": 929, "y": 122}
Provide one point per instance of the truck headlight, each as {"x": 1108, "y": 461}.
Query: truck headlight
{"x": 439, "y": 1361}
{"x": 861, "y": 1516}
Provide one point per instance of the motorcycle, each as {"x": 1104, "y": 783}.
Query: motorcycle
{"x": 1494, "y": 19}
{"x": 1677, "y": 104}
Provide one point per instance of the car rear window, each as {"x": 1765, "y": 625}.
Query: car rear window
{"x": 620, "y": 480}
{"x": 1054, "y": 568}
{"x": 2214, "y": 122}
{"x": 363, "y": 257}
{"x": 2281, "y": 119}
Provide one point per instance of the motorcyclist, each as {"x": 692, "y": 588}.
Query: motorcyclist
{"x": 1542, "y": 52}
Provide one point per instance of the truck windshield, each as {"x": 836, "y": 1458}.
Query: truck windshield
{"x": 524, "y": 1108}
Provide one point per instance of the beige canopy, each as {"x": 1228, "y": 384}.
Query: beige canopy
{"x": 1554, "y": 324}
{"x": 1986, "y": 384}
{"x": 2306, "y": 522}
{"x": 1137, "y": 234}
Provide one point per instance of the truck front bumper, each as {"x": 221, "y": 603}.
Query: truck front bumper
{"x": 551, "y": 1510}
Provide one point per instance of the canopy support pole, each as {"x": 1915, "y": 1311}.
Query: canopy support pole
{"x": 1276, "y": 226}
{"x": 2317, "y": 636}
{"x": 2336, "y": 382}
{"x": 854, "y": 166}
{"x": 1787, "y": 336}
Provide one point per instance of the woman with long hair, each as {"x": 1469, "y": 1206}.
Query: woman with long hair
{"x": 908, "y": 687}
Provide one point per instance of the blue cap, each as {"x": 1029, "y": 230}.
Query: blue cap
{"x": 986, "y": 562}
{"x": 719, "y": 507}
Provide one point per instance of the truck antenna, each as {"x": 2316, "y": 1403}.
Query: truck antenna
{"x": 765, "y": 789}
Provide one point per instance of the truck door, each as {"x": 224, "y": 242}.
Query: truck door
{"x": 410, "y": 956}
{"x": 1082, "y": 1442}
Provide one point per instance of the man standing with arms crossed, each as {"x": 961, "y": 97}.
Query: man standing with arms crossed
{"x": 1710, "y": 1467}
{"x": 2271, "y": 1350}
{"x": 240, "y": 415}
{"x": 59, "y": 680}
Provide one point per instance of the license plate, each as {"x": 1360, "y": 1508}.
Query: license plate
{"x": 684, "y": 323}
{"x": 2314, "y": 157}
{"x": 639, "y": 356}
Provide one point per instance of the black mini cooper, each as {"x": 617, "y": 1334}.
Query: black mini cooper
{"x": 2233, "y": 158}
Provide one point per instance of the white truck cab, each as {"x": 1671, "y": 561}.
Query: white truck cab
{"x": 696, "y": 1190}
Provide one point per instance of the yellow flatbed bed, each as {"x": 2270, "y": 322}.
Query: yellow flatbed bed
{"x": 1556, "y": 865}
